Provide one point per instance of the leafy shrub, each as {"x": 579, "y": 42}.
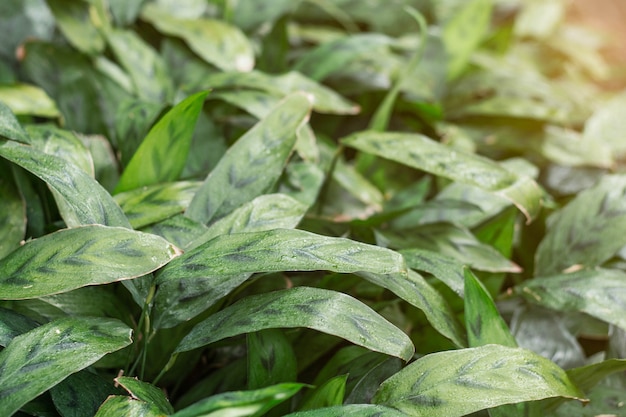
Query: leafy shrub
{"x": 314, "y": 208}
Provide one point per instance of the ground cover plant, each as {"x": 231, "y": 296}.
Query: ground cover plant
{"x": 309, "y": 208}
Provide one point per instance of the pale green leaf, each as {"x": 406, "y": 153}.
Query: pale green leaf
{"x": 463, "y": 33}
{"x": 26, "y": 99}
{"x": 74, "y": 21}
{"x": 86, "y": 202}
{"x": 10, "y": 128}
{"x": 423, "y": 153}
{"x": 151, "y": 204}
{"x": 146, "y": 68}
{"x": 62, "y": 143}
{"x": 162, "y": 155}
{"x": 146, "y": 392}
{"x": 122, "y": 406}
{"x": 36, "y": 361}
{"x": 484, "y": 323}
{"x": 597, "y": 292}
{"x": 73, "y": 258}
{"x": 607, "y": 124}
{"x": 443, "y": 267}
{"x": 586, "y": 377}
{"x": 352, "y": 410}
{"x": 253, "y": 164}
{"x": 323, "y": 310}
{"x": 586, "y": 232}
{"x": 460, "y": 382}
{"x": 253, "y": 403}
{"x": 215, "y": 41}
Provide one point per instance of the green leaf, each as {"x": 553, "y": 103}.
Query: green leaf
{"x": 62, "y": 143}
{"x": 146, "y": 392}
{"x": 13, "y": 324}
{"x": 81, "y": 394}
{"x": 605, "y": 125}
{"x": 327, "y": 395}
{"x": 323, "y": 310}
{"x": 443, "y": 267}
{"x": 86, "y": 202}
{"x": 215, "y": 41}
{"x": 588, "y": 231}
{"x": 586, "y": 377}
{"x": 242, "y": 403}
{"x": 353, "y": 410}
{"x": 26, "y": 99}
{"x": 144, "y": 65}
{"x": 588, "y": 291}
{"x": 484, "y": 323}
{"x": 73, "y": 258}
{"x": 73, "y": 19}
{"x": 13, "y": 213}
{"x": 271, "y": 359}
{"x": 151, "y": 204}
{"x": 36, "y": 361}
{"x": 414, "y": 289}
{"x": 122, "y": 406}
{"x": 423, "y": 153}
{"x": 456, "y": 383}
{"x": 253, "y": 164}
{"x": 463, "y": 33}
{"x": 10, "y": 128}
{"x": 162, "y": 155}
{"x": 280, "y": 250}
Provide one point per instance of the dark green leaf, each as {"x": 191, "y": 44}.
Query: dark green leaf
{"x": 253, "y": 164}
{"x": 81, "y": 394}
{"x": 271, "y": 359}
{"x": 13, "y": 213}
{"x": 151, "y": 204}
{"x": 36, "y": 361}
{"x": 86, "y": 201}
{"x": 423, "y": 153}
{"x": 162, "y": 155}
{"x": 146, "y": 392}
{"x": 586, "y": 232}
{"x": 484, "y": 323}
{"x": 323, "y": 310}
{"x": 456, "y": 383}
{"x": 74, "y": 258}
{"x": 588, "y": 291}
{"x": 13, "y": 324}
{"x": 215, "y": 41}
{"x": 241, "y": 403}
{"x": 329, "y": 394}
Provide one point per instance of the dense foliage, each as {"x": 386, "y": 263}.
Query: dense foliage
{"x": 309, "y": 207}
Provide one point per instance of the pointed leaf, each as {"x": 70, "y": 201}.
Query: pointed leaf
{"x": 123, "y": 406}
{"x": 442, "y": 267}
{"x": 215, "y": 41}
{"x": 146, "y": 392}
{"x": 81, "y": 394}
{"x": 323, "y": 310}
{"x": 10, "y": 128}
{"x": 484, "y": 323}
{"x": 589, "y": 291}
{"x": 456, "y": 383}
{"x": 151, "y": 204}
{"x": 253, "y": 164}
{"x": 26, "y": 99}
{"x": 329, "y": 394}
{"x": 353, "y": 410}
{"x": 271, "y": 359}
{"x": 85, "y": 200}
{"x": 75, "y": 23}
{"x": 73, "y": 258}
{"x": 162, "y": 155}
{"x": 144, "y": 65}
{"x": 586, "y": 377}
{"x": 36, "y": 361}
{"x": 423, "y": 153}
{"x": 586, "y": 232}
{"x": 242, "y": 403}
{"x": 281, "y": 250}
